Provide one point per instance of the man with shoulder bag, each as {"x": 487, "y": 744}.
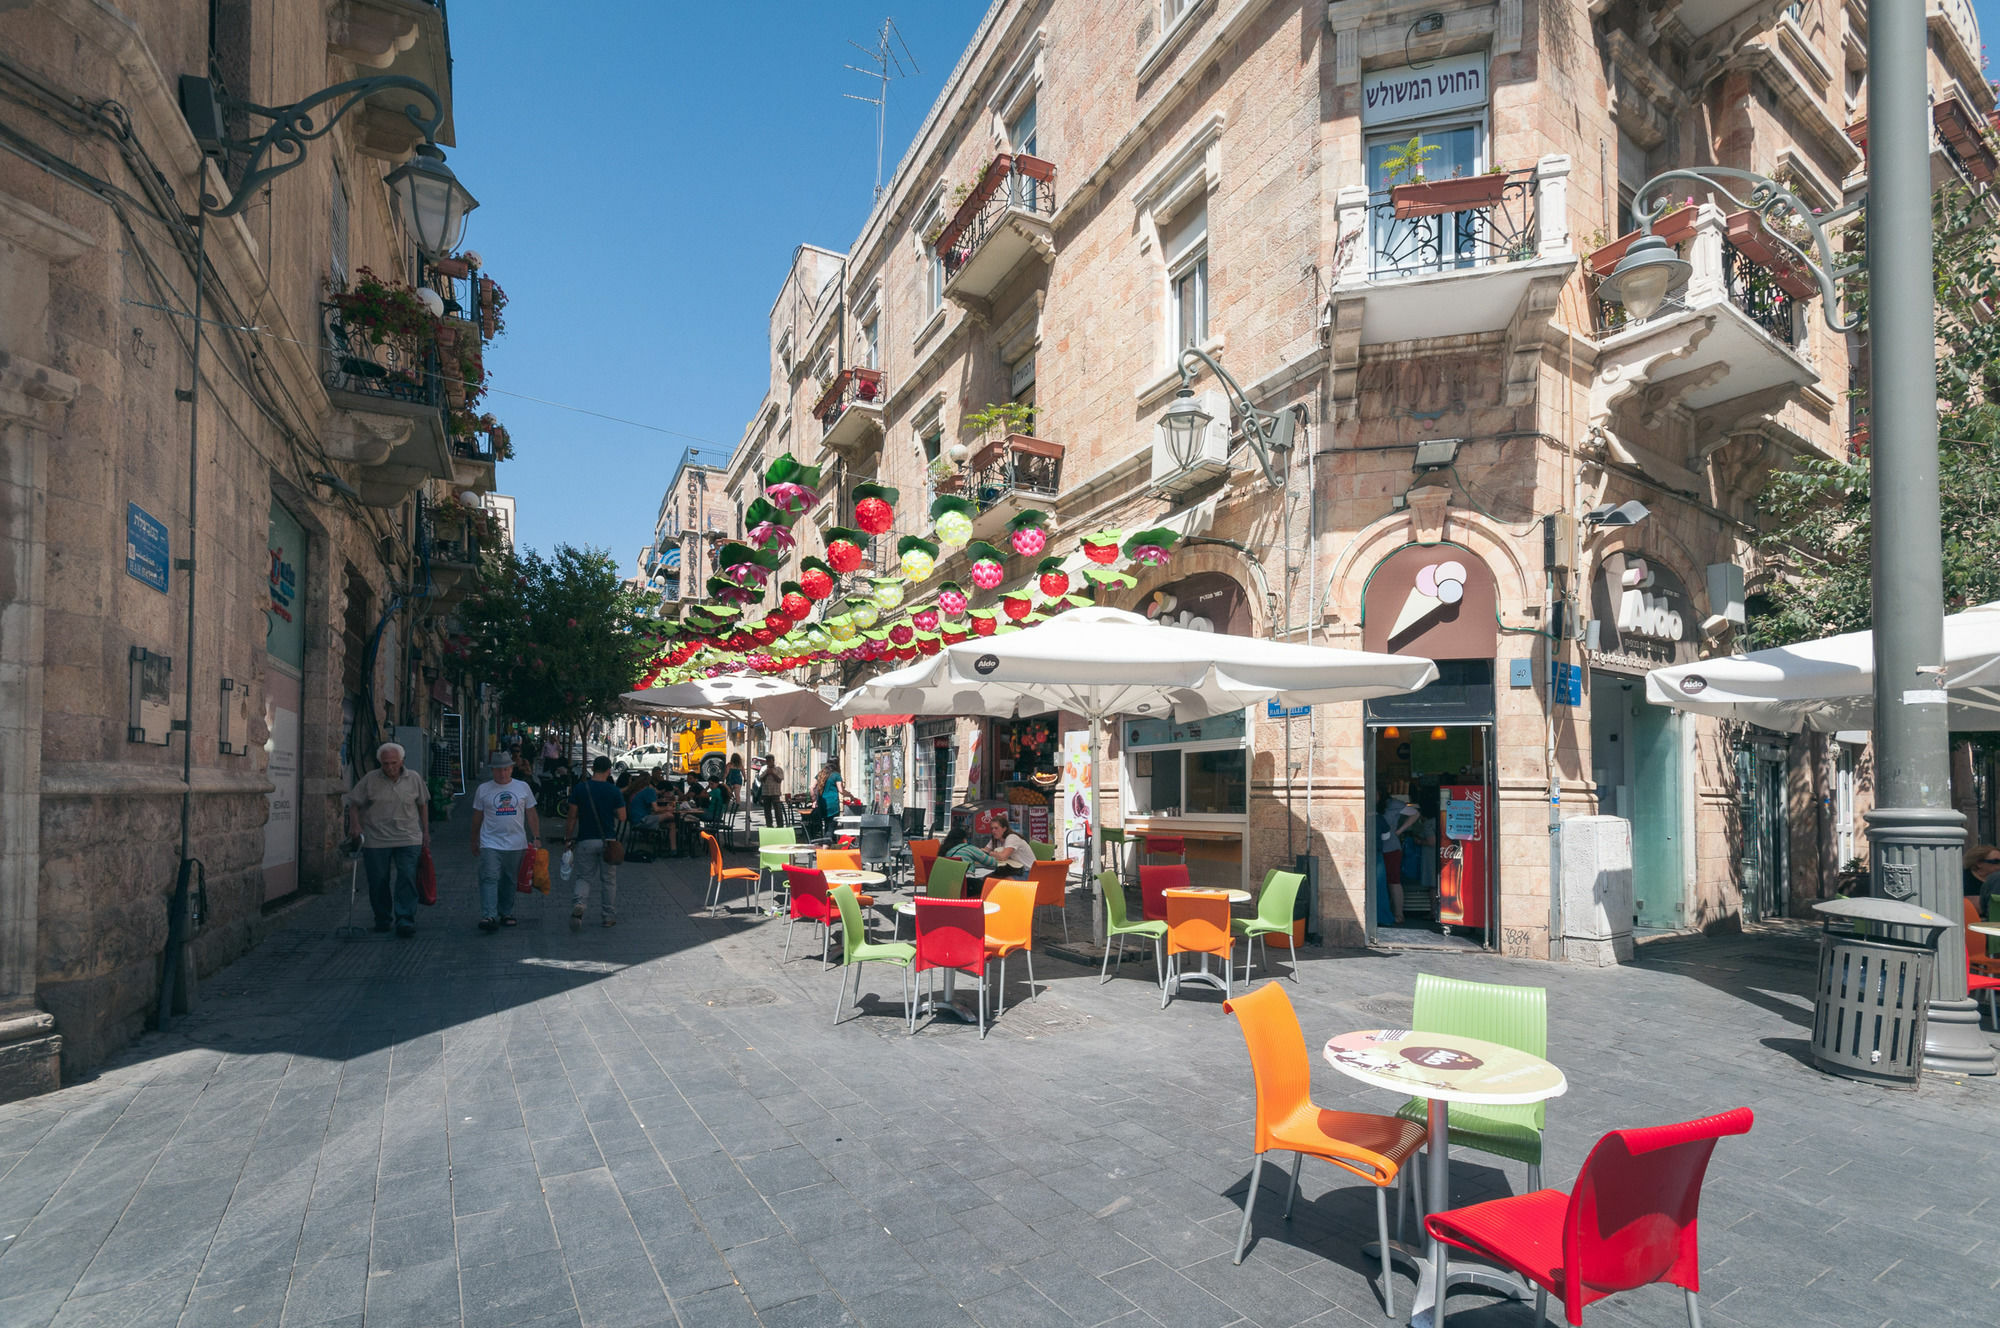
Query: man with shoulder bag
{"x": 595, "y": 806}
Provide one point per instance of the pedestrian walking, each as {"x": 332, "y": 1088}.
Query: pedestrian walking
{"x": 389, "y": 808}
{"x": 732, "y": 779}
{"x": 771, "y": 791}
{"x": 594, "y": 804}
{"x": 505, "y": 825}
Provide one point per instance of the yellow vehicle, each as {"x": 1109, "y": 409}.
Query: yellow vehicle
{"x": 702, "y": 749}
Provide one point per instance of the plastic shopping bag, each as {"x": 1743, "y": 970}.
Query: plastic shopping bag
{"x": 524, "y": 879}
{"x": 427, "y": 878}
{"x": 541, "y": 868}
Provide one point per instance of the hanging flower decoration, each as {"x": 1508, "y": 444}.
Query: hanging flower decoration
{"x": 791, "y": 485}
{"x": 928, "y": 643}
{"x": 844, "y": 548}
{"x": 1029, "y": 534}
{"x": 983, "y": 622}
{"x": 1018, "y": 606}
{"x": 1052, "y": 579}
{"x": 902, "y": 633}
{"x": 726, "y": 591}
{"x": 1101, "y": 546}
{"x": 1152, "y": 547}
{"x": 887, "y": 593}
{"x": 778, "y": 623}
{"x": 988, "y": 571}
{"x": 842, "y": 628}
{"x": 815, "y": 579}
{"x": 951, "y": 599}
{"x": 875, "y": 508}
{"x": 951, "y": 520}
{"x": 926, "y": 620}
{"x": 863, "y": 613}
{"x": 792, "y": 601}
{"x": 766, "y": 527}
{"x": 918, "y": 557}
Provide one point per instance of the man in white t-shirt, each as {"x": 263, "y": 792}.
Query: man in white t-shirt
{"x": 504, "y": 826}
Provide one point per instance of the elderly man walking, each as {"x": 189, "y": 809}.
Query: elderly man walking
{"x": 389, "y": 808}
{"x": 504, "y": 825}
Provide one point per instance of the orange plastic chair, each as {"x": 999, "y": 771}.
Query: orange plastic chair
{"x": 1978, "y": 949}
{"x": 718, "y": 874}
{"x": 923, "y": 852}
{"x": 1375, "y": 1148}
{"x": 1197, "y": 923}
{"x": 1051, "y": 880}
{"x": 838, "y": 859}
{"x": 1154, "y": 882}
{"x": 1011, "y": 931}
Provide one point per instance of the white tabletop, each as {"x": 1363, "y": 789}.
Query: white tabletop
{"x": 1233, "y": 896}
{"x": 843, "y": 876}
{"x": 909, "y": 909}
{"x": 1984, "y": 928}
{"x": 1444, "y": 1067}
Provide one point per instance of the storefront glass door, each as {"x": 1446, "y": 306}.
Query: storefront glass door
{"x": 1635, "y": 762}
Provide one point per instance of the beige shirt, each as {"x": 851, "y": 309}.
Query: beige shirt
{"x": 393, "y": 811}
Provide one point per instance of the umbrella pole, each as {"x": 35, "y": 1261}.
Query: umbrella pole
{"x": 1093, "y": 852}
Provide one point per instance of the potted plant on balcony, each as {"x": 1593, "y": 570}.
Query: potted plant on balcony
{"x": 1675, "y": 228}
{"x": 1419, "y": 197}
{"x": 992, "y": 424}
{"x": 1747, "y": 231}
{"x": 381, "y": 313}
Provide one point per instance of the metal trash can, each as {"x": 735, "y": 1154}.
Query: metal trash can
{"x": 877, "y": 832}
{"x": 1871, "y": 1004}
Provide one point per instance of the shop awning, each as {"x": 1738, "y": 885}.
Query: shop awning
{"x": 880, "y": 721}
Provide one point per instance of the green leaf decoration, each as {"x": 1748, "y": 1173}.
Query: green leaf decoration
{"x": 1111, "y": 576}
{"x": 980, "y": 549}
{"x": 1047, "y": 565}
{"x": 1160, "y": 536}
{"x": 857, "y": 538}
{"x": 762, "y": 510}
{"x": 1107, "y": 536}
{"x": 1031, "y": 517}
{"x": 909, "y": 542}
{"x": 788, "y": 469}
{"x": 732, "y": 553}
{"x": 951, "y": 503}
{"x": 870, "y": 489}
{"x": 813, "y": 564}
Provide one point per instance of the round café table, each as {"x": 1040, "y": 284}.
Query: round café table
{"x": 854, "y": 879}
{"x": 1444, "y": 1068}
{"x": 943, "y": 1004}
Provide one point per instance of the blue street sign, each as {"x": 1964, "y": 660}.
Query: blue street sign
{"x": 147, "y": 551}
{"x": 1272, "y": 710}
{"x": 1568, "y": 684}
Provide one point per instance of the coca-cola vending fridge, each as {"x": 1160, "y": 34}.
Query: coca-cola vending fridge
{"x": 1465, "y": 845}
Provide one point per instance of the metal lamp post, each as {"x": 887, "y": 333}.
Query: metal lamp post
{"x": 1914, "y": 836}
{"x": 1266, "y": 431}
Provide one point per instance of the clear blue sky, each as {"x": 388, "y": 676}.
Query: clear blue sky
{"x": 644, "y": 172}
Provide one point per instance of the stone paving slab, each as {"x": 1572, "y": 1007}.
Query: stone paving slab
{"x": 658, "y": 1124}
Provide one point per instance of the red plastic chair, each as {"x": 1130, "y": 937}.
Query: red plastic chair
{"x": 1154, "y": 882}
{"x": 951, "y": 933}
{"x": 810, "y": 901}
{"x": 1978, "y": 984}
{"x": 1164, "y": 846}
{"x": 1632, "y": 1219}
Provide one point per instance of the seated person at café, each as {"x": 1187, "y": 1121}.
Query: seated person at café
{"x": 957, "y": 845}
{"x": 1013, "y": 851}
{"x": 639, "y": 807}
{"x": 718, "y": 801}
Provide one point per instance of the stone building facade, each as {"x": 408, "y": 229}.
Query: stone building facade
{"x": 1101, "y": 184}
{"x": 333, "y": 518}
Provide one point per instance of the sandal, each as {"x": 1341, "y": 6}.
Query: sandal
{"x": 488, "y": 925}
{"x": 510, "y": 921}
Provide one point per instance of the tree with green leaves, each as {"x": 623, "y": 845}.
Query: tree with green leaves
{"x": 1818, "y": 529}
{"x": 562, "y": 637}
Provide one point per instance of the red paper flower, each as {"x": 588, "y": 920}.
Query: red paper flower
{"x": 874, "y": 516}
{"x": 842, "y": 556}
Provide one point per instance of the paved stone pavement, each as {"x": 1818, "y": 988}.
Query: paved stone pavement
{"x": 657, "y": 1125}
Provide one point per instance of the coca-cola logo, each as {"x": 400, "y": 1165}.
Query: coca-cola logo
{"x": 1441, "y": 1058}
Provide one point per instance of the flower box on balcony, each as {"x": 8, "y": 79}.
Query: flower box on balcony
{"x": 452, "y": 267}
{"x": 1747, "y": 233}
{"x": 1432, "y": 198}
{"x": 866, "y": 383}
{"x": 1674, "y": 228}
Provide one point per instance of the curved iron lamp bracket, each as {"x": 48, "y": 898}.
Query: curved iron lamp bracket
{"x": 1774, "y": 205}
{"x": 293, "y": 126}
{"x": 1265, "y": 431}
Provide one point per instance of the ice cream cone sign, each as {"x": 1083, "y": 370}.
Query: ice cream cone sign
{"x": 1437, "y": 586}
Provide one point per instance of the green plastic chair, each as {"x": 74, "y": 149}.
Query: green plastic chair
{"x": 1515, "y": 1017}
{"x": 947, "y": 879}
{"x": 1111, "y": 848}
{"x": 771, "y": 857}
{"x": 1115, "y": 925}
{"x": 1043, "y": 852}
{"x": 855, "y": 952}
{"x": 1275, "y": 906}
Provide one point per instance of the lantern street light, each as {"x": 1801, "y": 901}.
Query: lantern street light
{"x": 432, "y": 200}
{"x": 1184, "y": 421}
{"x": 1915, "y": 837}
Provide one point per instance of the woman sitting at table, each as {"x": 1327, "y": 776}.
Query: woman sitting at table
{"x": 1012, "y": 850}
{"x": 957, "y": 845}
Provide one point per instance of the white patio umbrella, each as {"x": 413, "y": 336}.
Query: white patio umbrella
{"x": 772, "y": 702}
{"x": 1828, "y": 686}
{"x": 1100, "y": 662}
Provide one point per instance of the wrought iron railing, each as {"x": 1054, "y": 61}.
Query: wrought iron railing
{"x": 848, "y": 387}
{"x": 473, "y": 447}
{"x": 1756, "y": 292}
{"x": 1009, "y": 184}
{"x": 387, "y": 370}
{"x": 1017, "y": 464}
{"x": 1503, "y": 231}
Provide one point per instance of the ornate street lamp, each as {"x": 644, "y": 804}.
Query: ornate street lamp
{"x": 432, "y": 200}
{"x": 1915, "y": 837}
{"x": 1267, "y": 432}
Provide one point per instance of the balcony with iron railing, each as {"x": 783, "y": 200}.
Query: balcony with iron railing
{"x": 1009, "y": 476}
{"x": 388, "y": 401}
{"x": 1449, "y": 257}
{"x": 1742, "y": 312}
{"x": 1002, "y": 222}
{"x": 849, "y": 412}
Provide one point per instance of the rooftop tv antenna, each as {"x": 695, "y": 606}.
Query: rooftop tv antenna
{"x": 887, "y": 65}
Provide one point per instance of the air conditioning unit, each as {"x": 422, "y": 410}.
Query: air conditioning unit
{"x": 1211, "y": 459}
